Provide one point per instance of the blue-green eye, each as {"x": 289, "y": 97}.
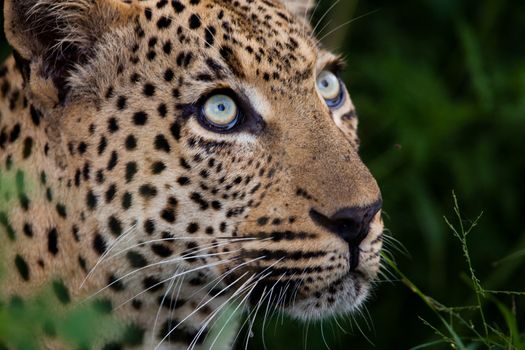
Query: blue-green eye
{"x": 330, "y": 88}
{"x": 220, "y": 111}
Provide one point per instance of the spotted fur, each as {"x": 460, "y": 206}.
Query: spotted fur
{"x": 122, "y": 194}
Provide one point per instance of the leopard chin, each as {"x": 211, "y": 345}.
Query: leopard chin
{"x": 343, "y": 296}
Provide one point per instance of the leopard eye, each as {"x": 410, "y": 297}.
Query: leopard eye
{"x": 220, "y": 112}
{"x": 330, "y": 88}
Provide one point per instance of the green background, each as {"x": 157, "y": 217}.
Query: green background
{"x": 440, "y": 90}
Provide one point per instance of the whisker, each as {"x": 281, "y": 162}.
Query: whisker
{"x": 347, "y": 23}
{"x": 210, "y": 317}
{"x": 324, "y": 15}
{"x": 196, "y": 310}
{"x": 172, "y": 282}
{"x": 232, "y": 314}
{"x": 176, "y": 276}
{"x": 259, "y": 277}
{"x": 324, "y": 338}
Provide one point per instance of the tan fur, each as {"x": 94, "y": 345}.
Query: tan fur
{"x": 119, "y": 156}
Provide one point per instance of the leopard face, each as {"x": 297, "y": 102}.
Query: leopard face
{"x": 209, "y": 138}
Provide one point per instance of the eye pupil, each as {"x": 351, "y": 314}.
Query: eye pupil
{"x": 325, "y": 83}
{"x": 221, "y": 107}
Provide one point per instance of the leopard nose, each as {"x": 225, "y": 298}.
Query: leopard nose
{"x": 351, "y": 224}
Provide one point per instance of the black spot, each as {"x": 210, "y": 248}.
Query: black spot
{"x": 115, "y": 226}
{"x": 148, "y": 13}
{"x": 149, "y": 89}
{"x": 103, "y": 143}
{"x": 113, "y": 160}
{"x": 149, "y": 226}
{"x": 15, "y": 132}
{"x": 137, "y": 304}
{"x": 61, "y": 210}
{"x": 152, "y": 41}
{"x": 82, "y": 263}
{"x": 52, "y": 241}
{"x": 209, "y": 34}
{"x": 167, "y": 47}
{"x": 168, "y": 75}
{"x": 192, "y": 227}
{"x": 131, "y": 142}
{"x": 163, "y": 22}
{"x": 22, "y": 267}
{"x": 148, "y": 191}
{"x": 28, "y": 230}
{"x": 161, "y": 250}
{"x": 110, "y": 193}
{"x": 61, "y": 292}
{"x": 183, "y": 181}
{"x": 175, "y": 130}
{"x": 136, "y": 260}
{"x": 28, "y": 147}
{"x": 158, "y": 167}
{"x": 127, "y": 200}
{"x": 168, "y": 214}
{"x": 122, "y": 102}
{"x": 262, "y": 220}
{"x": 195, "y": 21}
{"x": 131, "y": 170}
{"x": 99, "y": 244}
{"x": 177, "y": 6}
{"x": 35, "y": 115}
{"x": 115, "y": 284}
{"x": 140, "y": 118}
{"x": 113, "y": 125}
{"x": 161, "y": 143}
{"x": 151, "y": 284}
{"x": 24, "y": 201}
{"x": 91, "y": 200}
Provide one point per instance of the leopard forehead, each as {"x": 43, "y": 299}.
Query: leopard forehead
{"x": 205, "y": 44}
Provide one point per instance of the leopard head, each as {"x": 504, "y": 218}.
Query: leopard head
{"x": 216, "y": 134}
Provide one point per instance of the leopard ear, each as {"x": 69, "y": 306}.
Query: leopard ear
{"x": 300, "y": 8}
{"x": 52, "y": 37}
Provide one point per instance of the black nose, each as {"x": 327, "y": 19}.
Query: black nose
{"x": 351, "y": 224}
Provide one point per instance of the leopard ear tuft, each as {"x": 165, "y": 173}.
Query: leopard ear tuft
{"x": 300, "y": 8}
{"x": 55, "y": 36}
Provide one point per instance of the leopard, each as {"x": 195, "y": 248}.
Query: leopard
{"x": 170, "y": 158}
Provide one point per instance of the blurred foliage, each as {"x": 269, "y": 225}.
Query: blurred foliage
{"x": 440, "y": 89}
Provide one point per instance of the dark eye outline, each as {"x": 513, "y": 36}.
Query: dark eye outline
{"x": 336, "y": 103}
{"x": 222, "y": 129}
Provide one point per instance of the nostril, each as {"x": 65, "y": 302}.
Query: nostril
{"x": 350, "y": 223}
